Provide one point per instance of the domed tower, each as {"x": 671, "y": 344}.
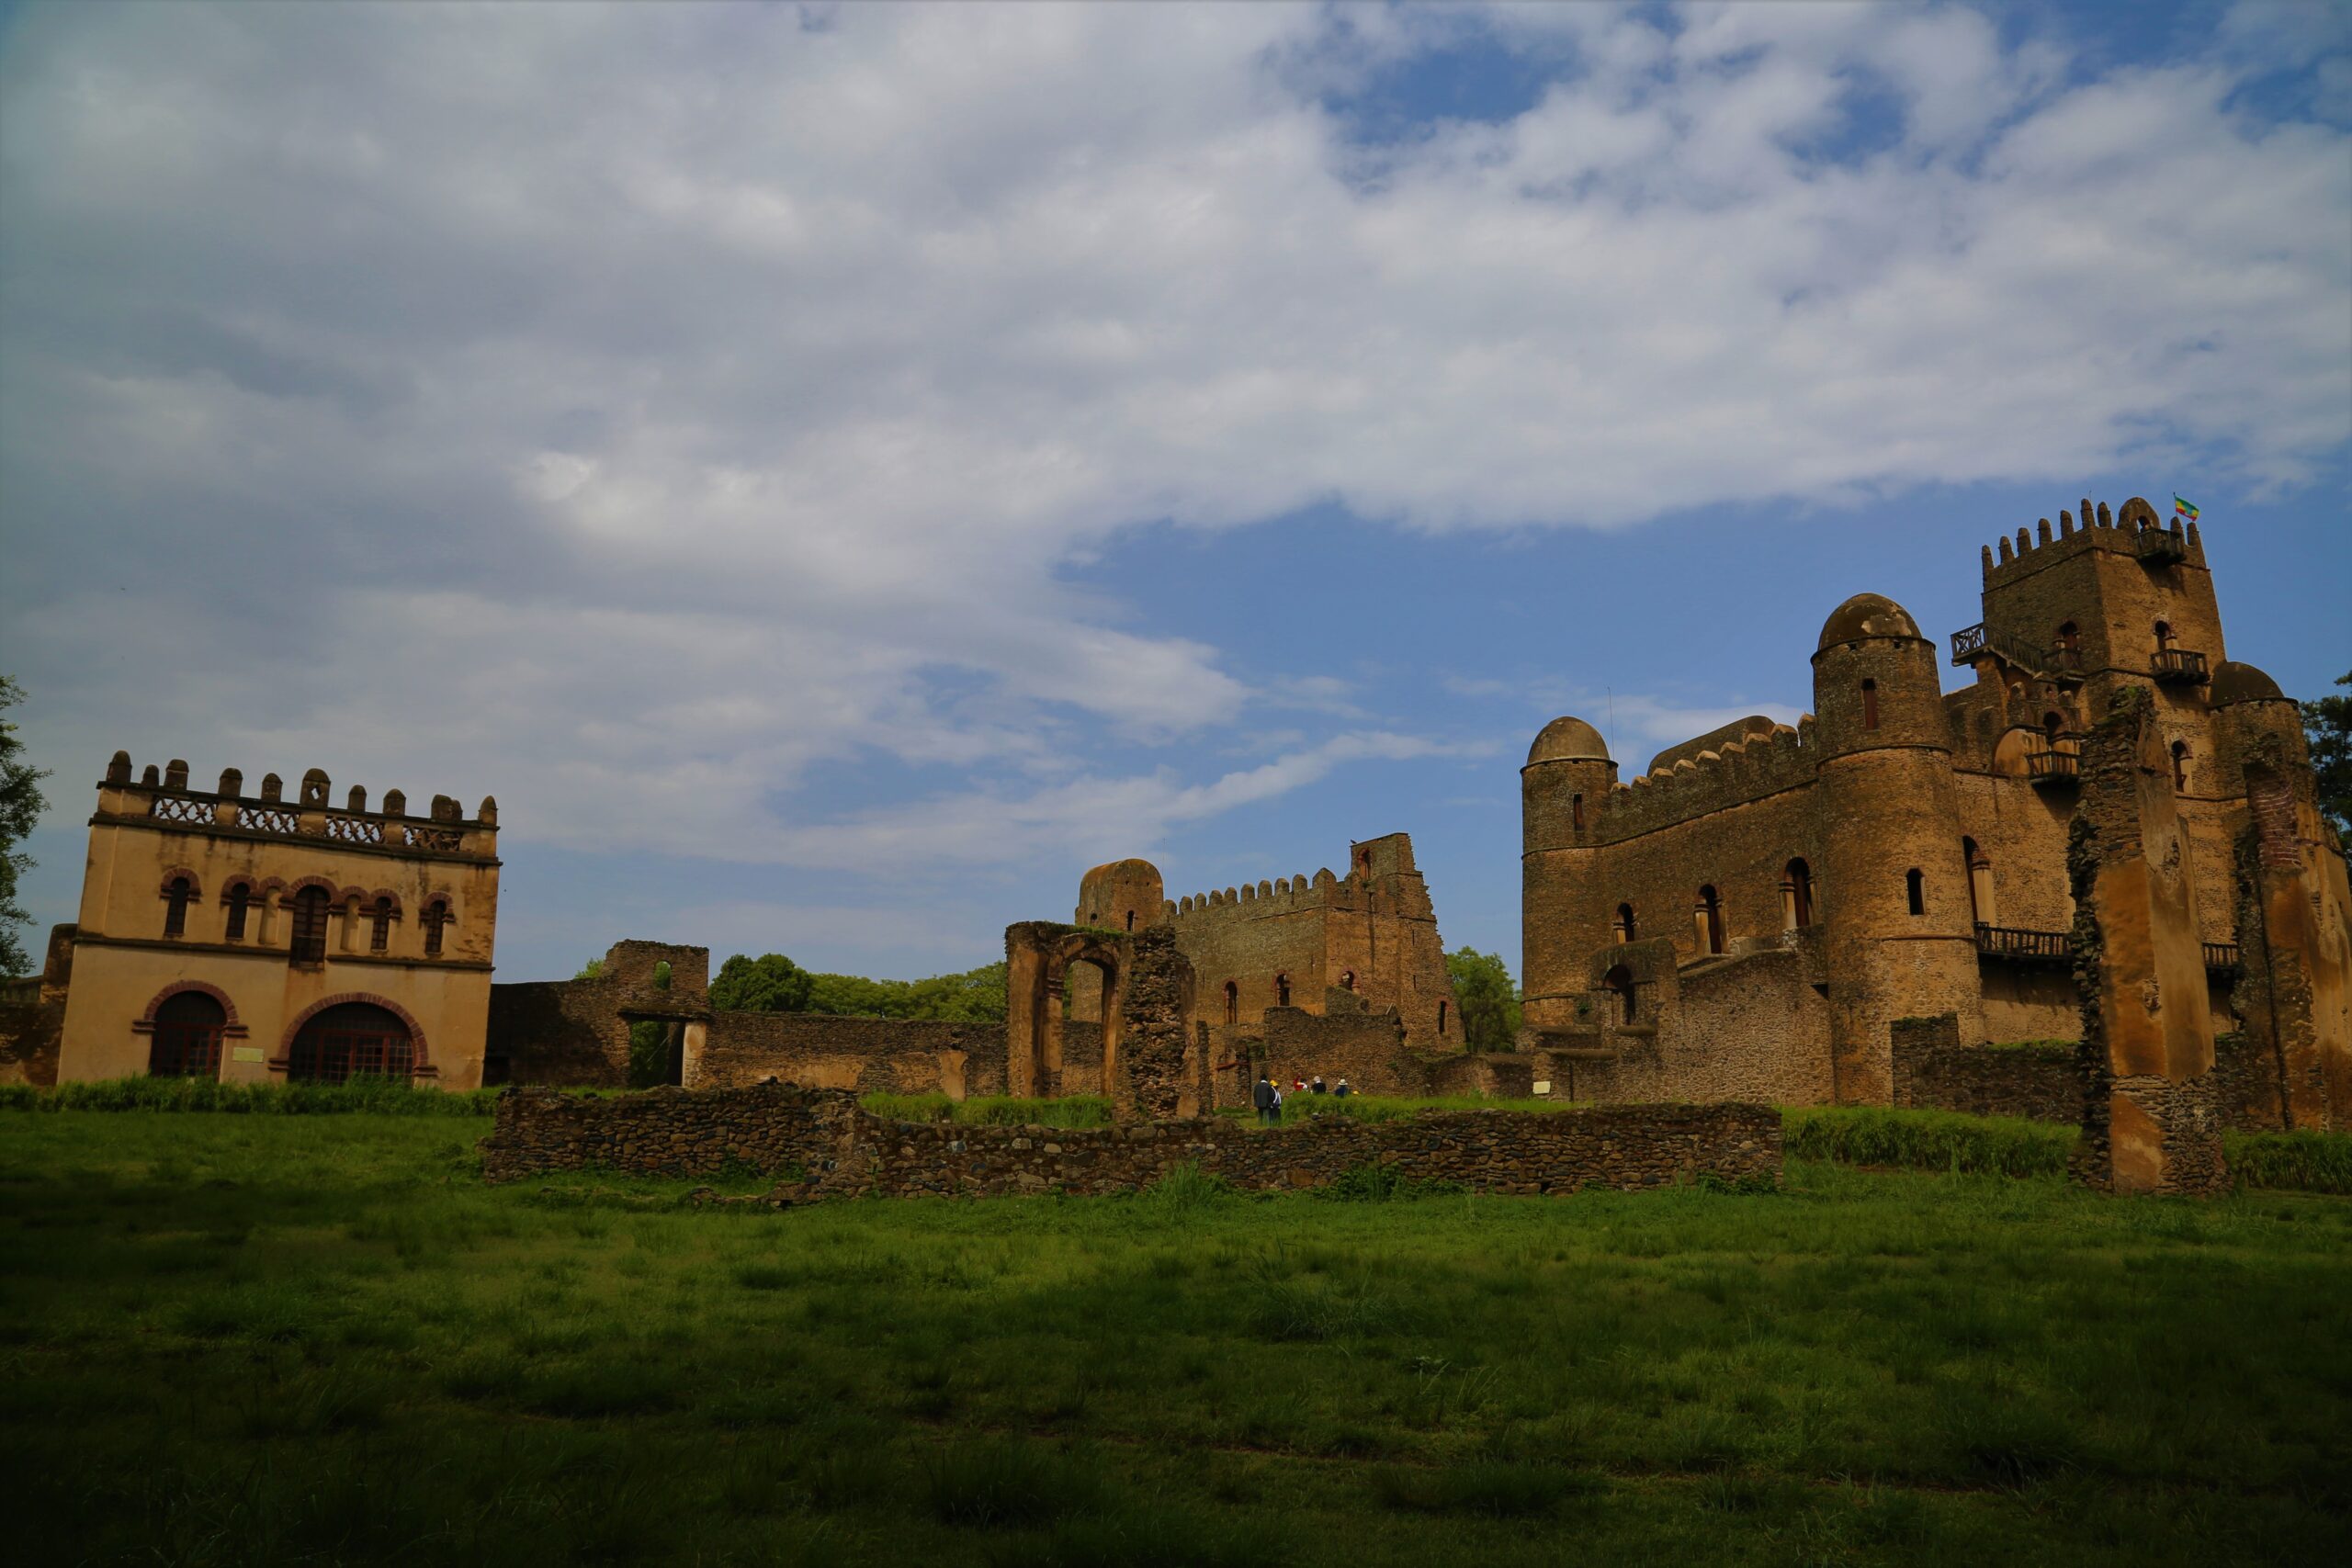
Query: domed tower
{"x": 1564, "y": 794}
{"x": 1124, "y": 896}
{"x": 1894, "y": 882}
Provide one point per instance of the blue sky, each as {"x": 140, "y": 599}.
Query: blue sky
{"x": 834, "y": 474}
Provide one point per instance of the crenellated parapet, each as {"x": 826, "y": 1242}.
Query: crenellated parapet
{"x": 1249, "y": 901}
{"x": 1738, "y": 771}
{"x": 2135, "y": 531}
{"x": 164, "y": 800}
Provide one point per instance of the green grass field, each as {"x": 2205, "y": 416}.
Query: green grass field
{"x": 248, "y": 1339}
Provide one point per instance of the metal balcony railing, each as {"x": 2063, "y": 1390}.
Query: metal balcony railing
{"x": 2063, "y": 665}
{"x": 2177, "y": 667}
{"x": 2028, "y": 946}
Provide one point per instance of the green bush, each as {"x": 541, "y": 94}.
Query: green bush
{"x": 2299, "y": 1162}
{"x": 1927, "y": 1140}
{"x": 372, "y": 1096}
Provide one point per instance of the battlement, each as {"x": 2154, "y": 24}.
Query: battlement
{"x": 2135, "y": 531}
{"x": 1764, "y": 763}
{"x": 1283, "y": 896}
{"x": 163, "y": 799}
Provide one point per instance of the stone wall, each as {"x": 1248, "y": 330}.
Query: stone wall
{"x": 842, "y": 1151}
{"x": 32, "y": 1015}
{"x": 1351, "y": 1040}
{"x": 868, "y": 1055}
{"x": 1933, "y": 1071}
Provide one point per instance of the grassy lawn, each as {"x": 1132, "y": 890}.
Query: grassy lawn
{"x": 262, "y": 1339}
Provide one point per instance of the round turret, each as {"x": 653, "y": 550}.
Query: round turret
{"x": 1867, "y": 615}
{"x": 1122, "y": 895}
{"x": 2236, "y": 683}
{"x": 1567, "y": 740}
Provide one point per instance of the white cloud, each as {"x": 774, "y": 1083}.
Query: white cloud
{"x": 642, "y": 406}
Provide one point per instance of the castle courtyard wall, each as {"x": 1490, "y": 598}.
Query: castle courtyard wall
{"x": 844, "y": 1151}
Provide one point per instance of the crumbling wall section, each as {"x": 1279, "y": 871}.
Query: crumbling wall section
{"x": 838, "y": 1150}
{"x": 867, "y": 1055}
{"x": 1934, "y": 1071}
{"x": 32, "y": 1015}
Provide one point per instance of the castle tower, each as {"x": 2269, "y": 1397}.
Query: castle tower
{"x": 2111, "y": 601}
{"x": 1123, "y": 895}
{"x": 1893, "y": 881}
{"x": 1562, "y": 793}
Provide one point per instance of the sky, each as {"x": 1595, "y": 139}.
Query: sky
{"x": 834, "y": 473}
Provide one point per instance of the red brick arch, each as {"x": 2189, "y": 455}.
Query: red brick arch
{"x": 255, "y": 890}
{"x": 423, "y": 1067}
{"x": 325, "y": 884}
{"x": 146, "y": 1024}
{"x": 195, "y": 883}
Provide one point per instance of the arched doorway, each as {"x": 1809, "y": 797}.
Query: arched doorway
{"x": 1796, "y": 894}
{"x": 186, "y": 1041}
{"x": 348, "y": 1039}
{"x": 1619, "y": 982}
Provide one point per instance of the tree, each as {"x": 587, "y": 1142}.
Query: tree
{"x": 2327, "y": 724}
{"x": 770, "y": 983}
{"x": 1487, "y": 997}
{"x": 21, "y": 808}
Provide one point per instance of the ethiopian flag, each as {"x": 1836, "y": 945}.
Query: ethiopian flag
{"x": 2183, "y": 509}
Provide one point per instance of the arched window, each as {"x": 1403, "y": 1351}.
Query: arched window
{"x": 1347, "y": 980}
{"x": 306, "y": 943}
{"x": 1915, "y": 889}
{"x": 186, "y": 1041}
{"x": 1980, "y": 883}
{"x": 1711, "y": 921}
{"x": 1796, "y": 894}
{"x": 2053, "y": 726}
{"x": 1576, "y": 809}
{"x": 2069, "y": 638}
{"x": 1441, "y": 1020}
{"x": 1619, "y": 982}
{"x": 1625, "y": 923}
{"x": 434, "y": 918}
{"x": 351, "y": 1038}
{"x": 1232, "y": 1003}
{"x": 2180, "y": 765}
{"x": 1131, "y": 919}
{"x": 2163, "y": 635}
{"x": 379, "y": 925}
{"x": 1282, "y": 990}
{"x": 1870, "y": 704}
{"x": 239, "y": 899}
{"x": 176, "y": 893}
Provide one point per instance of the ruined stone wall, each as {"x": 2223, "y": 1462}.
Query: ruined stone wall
{"x": 845, "y": 1152}
{"x": 1746, "y": 1027}
{"x": 2029, "y": 1001}
{"x": 1934, "y": 1071}
{"x": 32, "y": 1015}
{"x": 558, "y": 1032}
{"x": 1363, "y": 1045}
{"x": 867, "y": 1055}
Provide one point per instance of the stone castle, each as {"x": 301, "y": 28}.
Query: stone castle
{"x": 1848, "y": 909}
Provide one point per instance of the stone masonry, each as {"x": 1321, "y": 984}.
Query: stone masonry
{"x": 839, "y": 1150}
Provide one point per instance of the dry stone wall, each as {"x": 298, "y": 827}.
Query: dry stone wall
{"x": 869, "y": 1054}
{"x": 1933, "y": 1071}
{"x": 838, "y": 1150}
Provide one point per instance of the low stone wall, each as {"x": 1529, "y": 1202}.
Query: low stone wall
{"x": 2247, "y": 1085}
{"x": 845, "y": 1152}
{"x": 669, "y": 1132}
{"x": 1349, "y": 1040}
{"x": 1933, "y": 1071}
{"x": 868, "y": 1055}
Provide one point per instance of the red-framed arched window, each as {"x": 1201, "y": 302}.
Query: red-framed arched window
{"x": 379, "y": 925}
{"x": 306, "y": 943}
{"x": 178, "y": 893}
{"x": 435, "y": 918}
{"x": 238, "y": 899}
{"x": 185, "y": 1042}
{"x": 350, "y": 1039}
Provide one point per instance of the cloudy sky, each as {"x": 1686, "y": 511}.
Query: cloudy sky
{"x": 836, "y": 472}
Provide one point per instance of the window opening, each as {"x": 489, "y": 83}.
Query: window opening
{"x": 380, "y": 926}
{"x": 1282, "y": 990}
{"x": 1625, "y": 923}
{"x": 1711, "y": 919}
{"x": 176, "y": 893}
{"x": 2164, "y": 635}
{"x": 1619, "y": 982}
{"x": 186, "y": 1041}
{"x": 1131, "y": 919}
{"x": 1441, "y": 1020}
{"x": 1576, "y": 809}
{"x": 2180, "y": 765}
{"x": 308, "y": 940}
{"x": 1347, "y": 980}
{"x": 351, "y": 1038}
{"x": 1916, "y": 887}
{"x": 2052, "y": 727}
{"x": 1798, "y": 882}
{"x": 2068, "y": 636}
{"x": 435, "y": 916}
{"x": 1870, "y": 704}
{"x": 1232, "y": 1003}
{"x": 239, "y": 897}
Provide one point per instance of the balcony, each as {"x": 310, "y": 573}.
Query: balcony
{"x": 2177, "y": 667}
{"x": 2053, "y": 766}
{"x": 2223, "y": 956}
{"x": 2025, "y": 946}
{"x": 1968, "y": 642}
{"x": 2159, "y": 546}
{"x": 2063, "y": 665}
